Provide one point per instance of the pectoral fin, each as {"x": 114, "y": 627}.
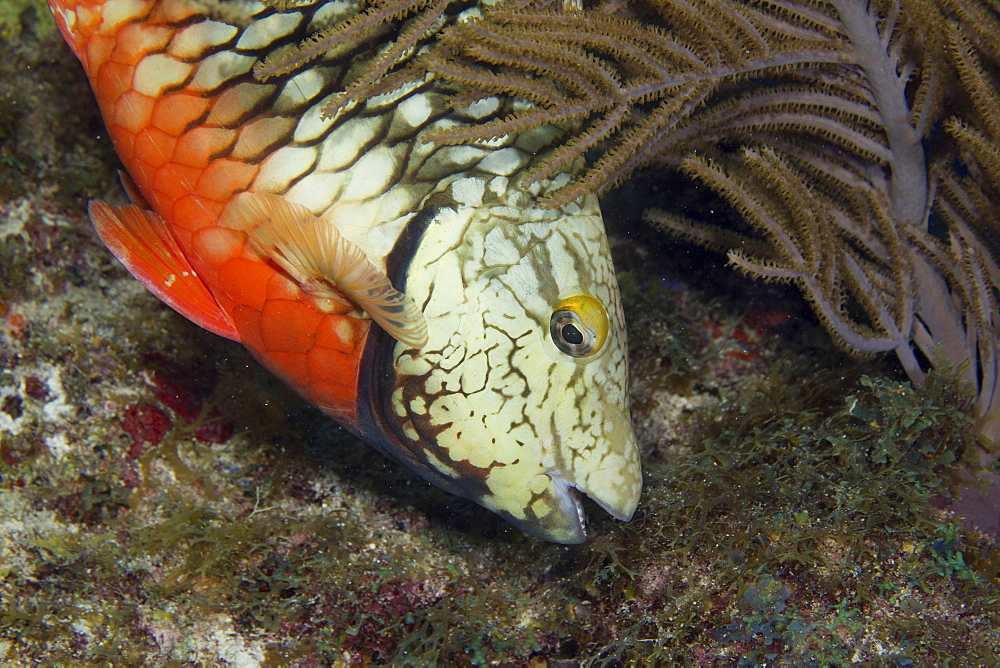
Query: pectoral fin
{"x": 141, "y": 240}
{"x": 323, "y": 262}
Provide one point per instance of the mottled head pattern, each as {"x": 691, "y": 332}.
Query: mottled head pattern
{"x": 499, "y": 406}
{"x": 491, "y": 398}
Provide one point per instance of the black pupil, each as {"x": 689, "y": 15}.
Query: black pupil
{"x": 571, "y": 334}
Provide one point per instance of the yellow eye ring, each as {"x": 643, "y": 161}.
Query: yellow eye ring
{"x": 579, "y": 326}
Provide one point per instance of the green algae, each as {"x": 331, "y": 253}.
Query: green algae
{"x": 798, "y": 519}
{"x": 826, "y": 552}
{"x": 50, "y": 144}
{"x": 15, "y": 13}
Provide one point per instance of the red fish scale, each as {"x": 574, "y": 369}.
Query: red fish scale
{"x": 174, "y": 166}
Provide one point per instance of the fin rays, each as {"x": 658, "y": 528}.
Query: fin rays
{"x": 141, "y": 241}
{"x": 323, "y": 262}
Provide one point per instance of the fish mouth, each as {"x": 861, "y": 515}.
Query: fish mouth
{"x": 570, "y": 528}
{"x": 619, "y": 502}
{"x": 567, "y": 524}
{"x": 574, "y": 519}
{"x": 556, "y": 514}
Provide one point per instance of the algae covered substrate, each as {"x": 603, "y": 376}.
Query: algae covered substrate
{"x": 164, "y": 501}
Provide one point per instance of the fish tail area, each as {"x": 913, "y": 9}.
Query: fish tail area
{"x": 141, "y": 241}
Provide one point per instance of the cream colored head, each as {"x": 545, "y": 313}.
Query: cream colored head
{"x": 515, "y": 400}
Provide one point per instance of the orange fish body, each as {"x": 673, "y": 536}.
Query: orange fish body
{"x": 189, "y": 156}
{"x": 415, "y": 293}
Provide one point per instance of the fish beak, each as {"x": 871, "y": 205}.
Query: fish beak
{"x": 619, "y": 502}
{"x": 565, "y": 520}
{"x": 613, "y": 477}
{"x": 556, "y": 511}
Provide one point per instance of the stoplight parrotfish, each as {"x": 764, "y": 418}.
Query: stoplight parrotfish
{"x": 415, "y": 292}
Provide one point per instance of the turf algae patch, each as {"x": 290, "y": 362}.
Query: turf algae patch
{"x": 16, "y": 14}
{"x": 53, "y": 147}
{"x": 799, "y": 532}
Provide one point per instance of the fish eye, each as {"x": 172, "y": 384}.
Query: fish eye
{"x": 579, "y": 326}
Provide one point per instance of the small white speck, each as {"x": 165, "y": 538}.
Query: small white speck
{"x": 58, "y": 445}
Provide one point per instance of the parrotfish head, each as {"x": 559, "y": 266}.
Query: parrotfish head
{"x": 518, "y": 400}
